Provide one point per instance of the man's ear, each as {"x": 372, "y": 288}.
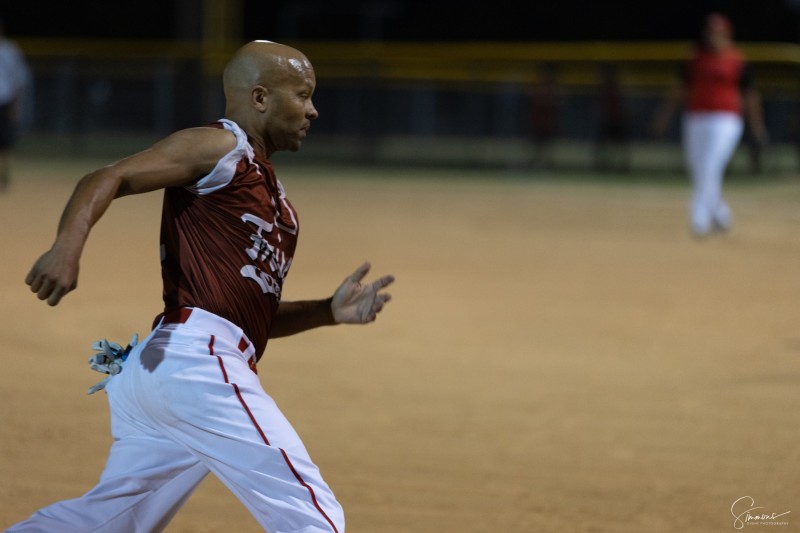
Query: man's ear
{"x": 259, "y": 98}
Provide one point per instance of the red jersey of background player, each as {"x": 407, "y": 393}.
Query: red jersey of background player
{"x": 228, "y": 240}
{"x": 715, "y": 80}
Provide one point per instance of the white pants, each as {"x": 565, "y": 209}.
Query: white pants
{"x": 188, "y": 402}
{"x": 709, "y": 141}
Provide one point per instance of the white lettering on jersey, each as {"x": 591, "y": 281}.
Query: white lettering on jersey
{"x": 264, "y": 280}
{"x": 263, "y": 252}
{"x": 261, "y": 249}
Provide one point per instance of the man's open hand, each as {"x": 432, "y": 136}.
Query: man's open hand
{"x": 357, "y": 303}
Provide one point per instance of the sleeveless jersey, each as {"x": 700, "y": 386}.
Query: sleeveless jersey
{"x": 715, "y": 81}
{"x": 227, "y": 241}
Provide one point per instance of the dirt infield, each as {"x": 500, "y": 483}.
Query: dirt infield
{"x": 558, "y": 357}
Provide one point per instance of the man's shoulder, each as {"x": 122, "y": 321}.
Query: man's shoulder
{"x": 197, "y": 148}
{"x": 212, "y": 135}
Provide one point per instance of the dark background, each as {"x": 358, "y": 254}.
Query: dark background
{"x": 83, "y": 94}
{"x": 394, "y": 20}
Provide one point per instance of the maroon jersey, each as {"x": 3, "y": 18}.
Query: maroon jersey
{"x": 227, "y": 241}
{"x": 715, "y": 80}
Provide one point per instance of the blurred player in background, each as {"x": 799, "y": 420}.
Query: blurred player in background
{"x": 612, "y": 143}
{"x": 717, "y": 92}
{"x": 544, "y": 115}
{"x": 14, "y": 78}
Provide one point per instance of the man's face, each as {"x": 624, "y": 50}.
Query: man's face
{"x": 717, "y": 33}
{"x": 291, "y": 109}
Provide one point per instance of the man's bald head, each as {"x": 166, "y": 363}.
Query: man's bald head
{"x": 268, "y": 88}
{"x": 263, "y": 63}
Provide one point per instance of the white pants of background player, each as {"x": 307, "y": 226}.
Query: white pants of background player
{"x": 187, "y": 403}
{"x": 709, "y": 141}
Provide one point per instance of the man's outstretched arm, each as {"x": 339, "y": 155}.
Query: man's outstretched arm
{"x": 351, "y": 303}
{"x": 176, "y": 160}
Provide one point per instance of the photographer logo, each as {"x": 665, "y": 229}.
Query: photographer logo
{"x": 746, "y": 513}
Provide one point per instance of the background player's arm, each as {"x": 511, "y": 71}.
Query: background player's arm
{"x": 674, "y": 100}
{"x": 351, "y": 303}
{"x": 177, "y": 160}
{"x": 752, "y": 109}
{"x": 755, "y": 115}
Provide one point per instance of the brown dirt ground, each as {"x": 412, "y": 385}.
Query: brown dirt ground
{"x": 558, "y": 357}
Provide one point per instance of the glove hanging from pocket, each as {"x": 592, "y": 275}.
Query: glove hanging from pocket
{"x": 109, "y": 359}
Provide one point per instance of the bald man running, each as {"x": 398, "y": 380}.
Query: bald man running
{"x": 188, "y": 401}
